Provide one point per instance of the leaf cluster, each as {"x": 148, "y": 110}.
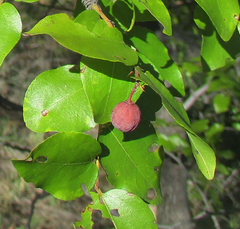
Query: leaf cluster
{"x": 73, "y": 99}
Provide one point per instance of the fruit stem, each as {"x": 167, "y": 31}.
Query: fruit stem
{"x": 132, "y": 92}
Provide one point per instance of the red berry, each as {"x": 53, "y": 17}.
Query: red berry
{"x": 126, "y": 116}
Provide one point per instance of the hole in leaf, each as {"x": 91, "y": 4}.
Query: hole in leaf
{"x": 115, "y": 212}
{"x": 44, "y": 112}
{"x": 97, "y": 218}
{"x": 41, "y": 159}
{"x": 236, "y": 17}
{"x": 30, "y": 159}
{"x": 130, "y": 194}
{"x": 156, "y": 169}
{"x": 89, "y": 209}
{"x": 167, "y": 84}
{"x": 151, "y": 194}
{"x": 101, "y": 200}
{"x": 83, "y": 69}
{"x": 152, "y": 148}
{"x": 84, "y": 188}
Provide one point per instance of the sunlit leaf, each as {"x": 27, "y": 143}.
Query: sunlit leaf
{"x": 224, "y": 16}
{"x": 125, "y": 210}
{"x": 147, "y": 45}
{"x": 78, "y": 38}
{"x": 62, "y": 164}
{"x": 175, "y": 109}
{"x": 215, "y": 52}
{"x": 106, "y": 84}
{"x": 132, "y": 161}
{"x": 202, "y": 152}
{"x": 10, "y": 27}
{"x": 64, "y": 99}
{"x": 204, "y": 155}
{"x": 160, "y": 12}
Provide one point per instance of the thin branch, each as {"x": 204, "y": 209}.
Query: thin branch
{"x": 5, "y": 103}
{"x": 37, "y": 197}
{"x": 16, "y": 146}
{"x": 192, "y": 99}
{"x": 230, "y": 178}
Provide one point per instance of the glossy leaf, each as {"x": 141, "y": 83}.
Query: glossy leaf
{"x": 123, "y": 13}
{"x": 132, "y": 161}
{"x": 108, "y": 45}
{"x": 221, "y": 103}
{"x": 174, "y": 108}
{"x": 147, "y": 45}
{"x": 56, "y": 101}
{"x": 10, "y": 27}
{"x": 106, "y": 84}
{"x": 160, "y": 12}
{"x": 140, "y": 11}
{"x": 62, "y": 164}
{"x": 203, "y": 153}
{"x": 204, "y": 156}
{"x": 65, "y": 100}
{"x": 86, "y": 219}
{"x": 124, "y": 209}
{"x": 215, "y": 52}
{"x": 224, "y": 16}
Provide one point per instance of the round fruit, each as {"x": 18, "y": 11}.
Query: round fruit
{"x": 126, "y": 116}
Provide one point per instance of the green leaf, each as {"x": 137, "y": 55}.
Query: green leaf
{"x": 123, "y": 12}
{"x": 160, "y": 12}
{"x": 62, "y": 164}
{"x": 106, "y": 84}
{"x": 174, "y": 108}
{"x": 56, "y": 101}
{"x": 86, "y": 220}
{"x": 223, "y": 15}
{"x": 125, "y": 210}
{"x": 140, "y": 11}
{"x": 221, "y": 103}
{"x": 204, "y": 156}
{"x": 215, "y": 52}
{"x": 132, "y": 161}
{"x": 77, "y": 37}
{"x": 203, "y": 153}
{"x": 147, "y": 45}
{"x": 65, "y": 100}
{"x": 10, "y": 27}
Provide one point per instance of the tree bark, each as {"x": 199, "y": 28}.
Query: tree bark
{"x": 174, "y": 211}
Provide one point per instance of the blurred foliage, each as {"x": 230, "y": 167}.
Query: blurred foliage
{"x": 215, "y": 115}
